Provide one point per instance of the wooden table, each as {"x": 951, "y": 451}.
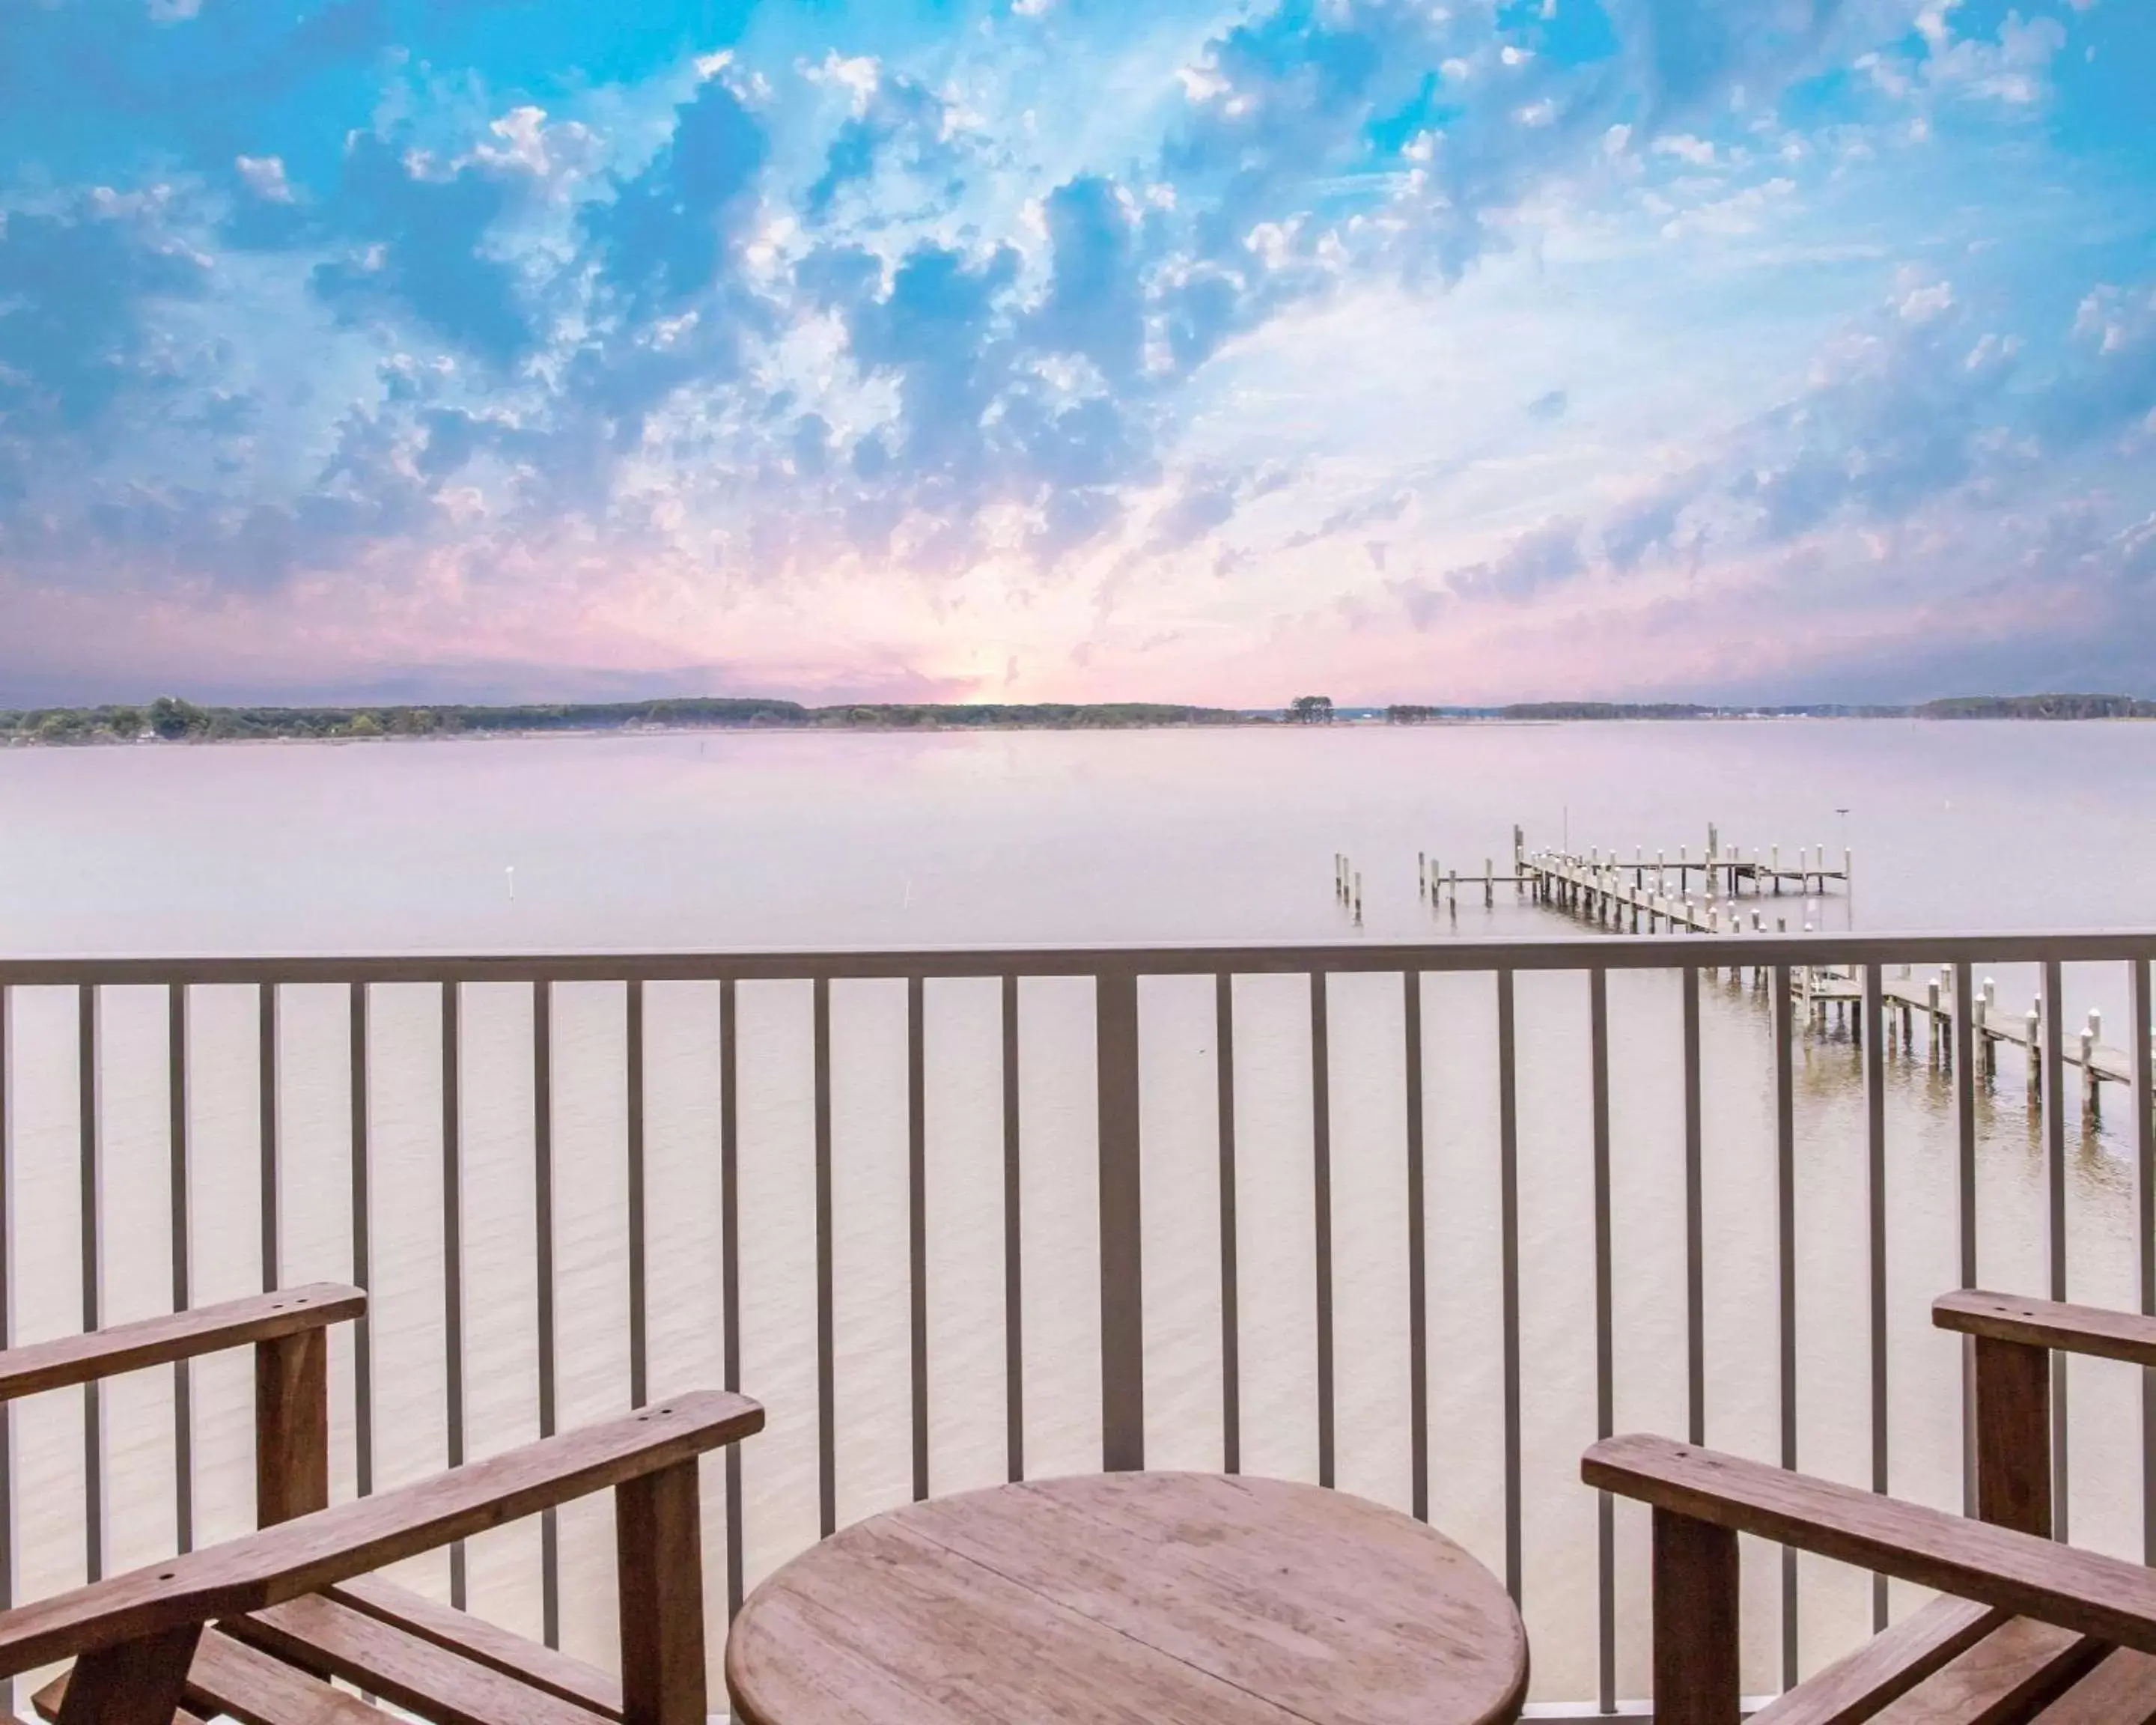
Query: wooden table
{"x": 1146, "y": 1598}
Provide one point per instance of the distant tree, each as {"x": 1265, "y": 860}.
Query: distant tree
{"x": 172, "y": 718}
{"x": 124, "y": 722}
{"x": 363, "y": 724}
{"x": 1312, "y": 709}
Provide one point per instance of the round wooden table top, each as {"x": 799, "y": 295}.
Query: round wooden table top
{"x": 1146, "y": 1598}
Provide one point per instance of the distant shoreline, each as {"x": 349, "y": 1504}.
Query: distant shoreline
{"x": 169, "y": 720}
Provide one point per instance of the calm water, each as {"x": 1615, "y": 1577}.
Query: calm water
{"x": 855, "y": 841}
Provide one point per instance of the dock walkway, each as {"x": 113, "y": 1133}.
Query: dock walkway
{"x": 1637, "y": 897}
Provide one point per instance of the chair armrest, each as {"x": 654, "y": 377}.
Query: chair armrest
{"x": 2094, "y": 1595}
{"x": 312, "y": 1551}
{"x": 2046, "y": 1324}
{"x": 182, "y": 1335}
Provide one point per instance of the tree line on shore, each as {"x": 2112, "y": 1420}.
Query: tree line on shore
{"x": 170, "y": 719}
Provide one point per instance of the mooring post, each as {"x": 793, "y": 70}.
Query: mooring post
{"x": 2090, "y": 1034}
{"x": 2036, "y": 1027}
{"x": 1422, "y": 874}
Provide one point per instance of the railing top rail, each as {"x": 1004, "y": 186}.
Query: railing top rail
{"x": 1593, "y": 953}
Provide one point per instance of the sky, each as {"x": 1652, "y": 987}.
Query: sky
{"x": 1023, "y": 349}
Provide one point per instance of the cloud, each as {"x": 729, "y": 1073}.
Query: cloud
{"x": 1207, "y": 500}
{"x": 935, "y": 331}
{"x": 1532, "y": 562}
{"x": 1095, "y": 305}
{"x": 423, "y": 247}
{"x": 670, "y": 231}
{"x": 79, "y": 285}
{"x": 1647, "y": 524}
{"x": 264, "y": 176}
{"x": 1371, "y": 512}
{"x": 1900, "y": 408}
{"x": 895, "y": 119}
{"x": 2109, "y": 383}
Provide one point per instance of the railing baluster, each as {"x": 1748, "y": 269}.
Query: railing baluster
{"x": 90, "y": 1197}
{"x": 542, "y": 1185}
{"x": 1122, "y": 1289}
{"x": 1231, "y": 1332}
{"x": 1321, "y": 1159}
{"x": 2144, "y": 1234}
{"x": 175, "y": 1128}
{"x": 730, "y": 1277}
{"x": 1013, "y": 1247}
{"x": 640, "y": 1331}
{"x": 2055, "y": 1210}
{"x": 1872, "y": 1027}
{"x": 362, "y": 1246}
{"x": 1785, "y": 1226}
{"x": 916, "y": 1219}
{"x": 1417, "y": 1265}
{"x": 453, "y": 1253}
{"x": 7, "y": 1312}
{"x": 827, "y": 1406}
{"x": 1695, "y": 1216}
{"x": 272, "y": 1197}
{"x": 1605, "y": 1378}
{"x": 1964, "y": 1076}
{"x": 1508, "y": 1206}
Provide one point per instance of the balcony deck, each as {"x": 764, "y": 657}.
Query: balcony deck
{"x": 1417, "y": 1221}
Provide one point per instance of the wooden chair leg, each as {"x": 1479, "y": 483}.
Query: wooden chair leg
{"x": 136, "y": 1683}
{"x": 658, "y": 1539}
{"x": 2014, "y": 1436}
{"x": 1695, "y": 1649}
{"x": 291, "y": 1426}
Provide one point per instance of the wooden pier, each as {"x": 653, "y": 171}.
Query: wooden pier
{"x": 1638, "y": 898}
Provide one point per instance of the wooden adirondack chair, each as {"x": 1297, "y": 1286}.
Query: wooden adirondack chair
{"x": 2024, "y": 1629}
{"x": 255, "y": 1627}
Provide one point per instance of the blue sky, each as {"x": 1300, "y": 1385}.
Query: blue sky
{"x": 1052, "y": 349}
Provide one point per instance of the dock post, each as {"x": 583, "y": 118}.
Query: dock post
{"x": 2089, "y": 1078}
{"x": 1489, "y": 884}
{"x": 1931, "y": 1015}
{"x": 2035, "y": 1026}
{"x": 1422, "y": 875}
{"x": 1358, "y": 897}
{"x": 1778, "y": 868}
{"x": 1987, "y": 1046}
